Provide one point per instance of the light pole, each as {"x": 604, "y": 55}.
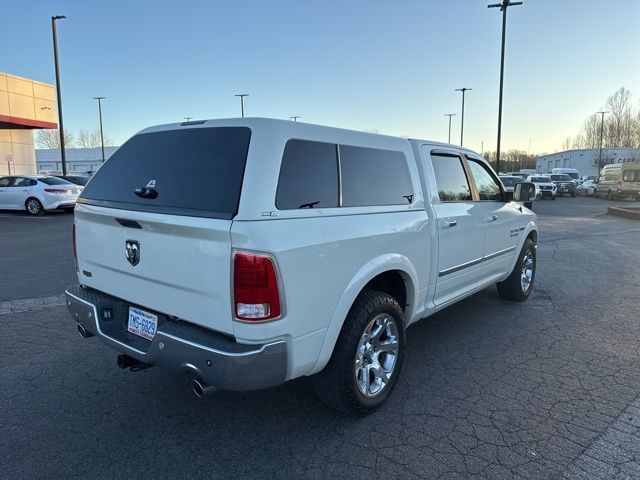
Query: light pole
{"x": 601, "y": 137}
{"x": 99, "y": 99}
{"x": 503, "y": 8}
{"x": 295, "y": 118}
{"x": 463, "y": 90}
{"x": 55, "y": 59}
{"x": 449, "y": 115}
{"x": 242, "y": 95}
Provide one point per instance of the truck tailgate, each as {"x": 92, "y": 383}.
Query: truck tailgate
{"x": 183, "y": 267}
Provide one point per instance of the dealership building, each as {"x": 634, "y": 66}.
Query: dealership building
{"x": 586, "y": 160}
{"x": 79, "y": 160}
{"x": 25, "y": 105}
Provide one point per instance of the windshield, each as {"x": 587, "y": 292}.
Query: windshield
{"x": 510, "y": 181}
{"x": 561, "y": 178}
{"x": 540, "y": 179}
{"x": 192, "y": 171}
{"x": 54, "y": 181}
{"x": 573, "y": 175}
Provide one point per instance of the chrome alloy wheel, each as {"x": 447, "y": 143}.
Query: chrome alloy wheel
{"x": 377, "y": 355}
{"x": 526, "y": 277}
{"x": 33, "y": 206}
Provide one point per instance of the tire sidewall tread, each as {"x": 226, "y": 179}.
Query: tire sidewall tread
{"x": 336, "y": 384}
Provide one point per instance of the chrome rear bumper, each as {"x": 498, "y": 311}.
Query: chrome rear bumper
{"x": 208, "y": 356}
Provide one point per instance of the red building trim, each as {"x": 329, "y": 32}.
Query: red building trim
{"x": 25, "y": 122}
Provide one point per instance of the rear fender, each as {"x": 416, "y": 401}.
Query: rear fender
{"x": 370, "y": 270}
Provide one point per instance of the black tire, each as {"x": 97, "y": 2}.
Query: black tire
{"x": 33, "y": 206}
{"x": 69, "y": 209}
{"x": 336, "y": 385}
{"x": 512, "y": 288}
{"x": 553, "y": 197}
{"x": 610, "y": 195}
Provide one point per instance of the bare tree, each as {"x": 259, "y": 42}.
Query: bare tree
{"x": 621, "y": 124}
{"x": 88, "y": 139}
{"x": 50, "y": 138}
{"x": 566, "y": 144}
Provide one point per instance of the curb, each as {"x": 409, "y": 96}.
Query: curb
{"x": 632, "y": 212}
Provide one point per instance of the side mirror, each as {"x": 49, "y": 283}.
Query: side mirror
{"x": 524, "y": 192}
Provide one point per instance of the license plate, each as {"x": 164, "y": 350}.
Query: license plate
{"x": 141, "y": 323}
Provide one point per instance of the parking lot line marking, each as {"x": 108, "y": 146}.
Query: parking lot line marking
{"x": 29, "y": 304}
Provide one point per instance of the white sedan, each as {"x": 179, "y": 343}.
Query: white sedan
{"x": 37, "y": 193}
{"x": 588, "y": 187}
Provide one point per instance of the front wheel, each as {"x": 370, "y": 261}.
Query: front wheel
{"x": 367, "y": 358}
{"x": 519, "y": 284}
{"x": 34, "y": 207}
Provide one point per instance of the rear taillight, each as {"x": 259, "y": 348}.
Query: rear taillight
{"x": 255, "y": 287}
{"x": 55, "y": 190}
{"x": 75, "y": 251}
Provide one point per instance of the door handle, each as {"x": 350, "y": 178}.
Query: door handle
{"x": 448, "y": 223}
{"x": 492, "y": 218}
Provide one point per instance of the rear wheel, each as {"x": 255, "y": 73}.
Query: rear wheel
{"x": 519, "y": 284}
{"x": 33, "y": 206}
{"x": 367, "y": 358}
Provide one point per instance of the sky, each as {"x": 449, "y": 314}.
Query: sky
{"x": 386, "y": 66}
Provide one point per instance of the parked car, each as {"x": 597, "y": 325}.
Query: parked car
{"x": 573, "y": 173}
{"x": 296, "y": 250}
{"x": 547, "y": 189}
{"x": 79, "y": 180}
{"x": 619, "y": 180}
{"x": 510, "y": 182}
{"x": 586, "y": 188}
{"x": 564, "y": 184}
{"x": 37, "y": 193}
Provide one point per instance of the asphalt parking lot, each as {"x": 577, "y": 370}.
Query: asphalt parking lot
{"x": 545, "y": 389}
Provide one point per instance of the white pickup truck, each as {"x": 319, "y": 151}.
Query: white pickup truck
{"x": 248, "y": 252}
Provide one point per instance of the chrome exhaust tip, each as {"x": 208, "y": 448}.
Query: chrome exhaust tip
{"x": 201, "y": 389}
{"x": 84, "y": 333}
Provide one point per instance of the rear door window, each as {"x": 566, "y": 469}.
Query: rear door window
{"x": 308, "y": 176}
{"x": 373, "y": 176}
{"x": 5, "y": 181}
{"x": 631, "y": 176}
{"x": 194, "y": 171}
{"x": 451, "y": 178}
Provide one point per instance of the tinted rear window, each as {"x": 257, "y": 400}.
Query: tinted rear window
{"x": 53, "y": 181}
{"x": 371, "y": 176}
{"x": 308, "y": 176}
{"x": 196, "y": 172}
